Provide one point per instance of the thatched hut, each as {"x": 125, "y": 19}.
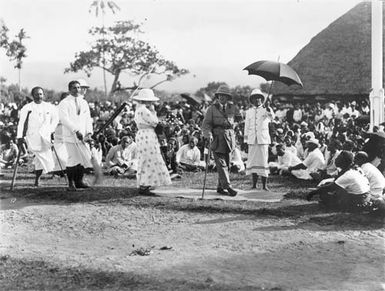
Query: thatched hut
{"x": 336, "y": 64}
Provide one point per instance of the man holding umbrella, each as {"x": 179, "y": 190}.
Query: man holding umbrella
{"x": 257, "y": 137}
{"x": 218, "y": 131}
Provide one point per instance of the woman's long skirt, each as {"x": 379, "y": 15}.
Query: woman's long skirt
{"x": 152, "y": 170}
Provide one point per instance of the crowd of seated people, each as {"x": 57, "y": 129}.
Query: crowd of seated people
{"x": 306, "y": 138}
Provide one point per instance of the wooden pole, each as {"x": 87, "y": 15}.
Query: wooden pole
{"x": 377, "y": 94}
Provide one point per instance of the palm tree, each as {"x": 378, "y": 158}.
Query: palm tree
{"x": 100, "y": 5}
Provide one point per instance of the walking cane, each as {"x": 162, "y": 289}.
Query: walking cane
{"x": 206, "y": 168}
{"x": 25, "y": 127}
{"x": 58, "y": 160}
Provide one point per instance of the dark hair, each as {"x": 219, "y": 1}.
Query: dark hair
{"x": 70, "y": 84}
{"x": 344, "y": 160}
{"x": 36, "y": 88}
{"x": 336, "y": 143}
{"x": 361, "y": 158}
{"x": 63, "y": 95}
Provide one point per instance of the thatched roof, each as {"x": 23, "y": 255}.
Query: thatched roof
{"x": 337, "y": 61}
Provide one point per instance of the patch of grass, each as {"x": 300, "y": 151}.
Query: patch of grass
{"x": 22, "y": 274}
{"x": 123, "y": 191}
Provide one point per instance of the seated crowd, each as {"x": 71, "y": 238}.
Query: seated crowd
{"x": 309, "y": 142}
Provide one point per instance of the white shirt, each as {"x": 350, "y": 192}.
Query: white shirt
{"x": 188, "y": 155}
{"x": 375, "y": 177}
{"x": 119, "y": 156}
{"x": 328, "y": 113}
{"x": 354, "y": 182}
{"x": 287, "y": 160}
{"x": 297, "y": 115}
{"x": 42, "y": 122}
{"x": 74, "y": 120}
{"x": 314, "y": 161}
{"x": 281, "y": 114}
{"x": 292, "y": 149}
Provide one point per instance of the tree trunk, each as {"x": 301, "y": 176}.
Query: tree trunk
{"x": 19, "y": 80}
{"x": 104, "y": 77}
{"x": 114, "y": 83}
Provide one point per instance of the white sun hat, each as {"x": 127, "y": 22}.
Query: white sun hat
{"x": 145, "y": 95}
{"x": 258, "y": 92}
{"x": 83, "y": 83}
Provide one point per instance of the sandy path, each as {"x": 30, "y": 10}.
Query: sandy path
{"x": 234, "y": 250}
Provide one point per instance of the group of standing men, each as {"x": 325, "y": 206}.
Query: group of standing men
{"x": 70, "y": 120}
{"x": 218, "y": 130}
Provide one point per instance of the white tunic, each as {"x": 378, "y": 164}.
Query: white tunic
{"x": 354, "y": 182}
{"x": 76, "y": 119}
{"x": 376, "y": 179}
{"x": 257, "y": 136}
{"x": 314, "y": 161}
{"x": 42, "y": 122}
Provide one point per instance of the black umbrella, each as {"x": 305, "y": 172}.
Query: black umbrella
{"x": 191, "y": 99}
{"x": 274, "y": 71}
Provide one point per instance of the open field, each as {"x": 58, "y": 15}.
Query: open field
{"x": 109, "y": 238}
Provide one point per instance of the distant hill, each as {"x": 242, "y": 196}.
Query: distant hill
{"x": 337, "y": 61}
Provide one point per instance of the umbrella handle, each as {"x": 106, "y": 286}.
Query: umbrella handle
{"x": 268, "y": 93}
{"x": 271, "y": 85}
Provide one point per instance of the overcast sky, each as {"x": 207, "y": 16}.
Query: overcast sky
{"x": 214, "y": 39}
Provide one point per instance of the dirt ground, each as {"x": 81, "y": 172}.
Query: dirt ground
{"x": 108, "y": 238}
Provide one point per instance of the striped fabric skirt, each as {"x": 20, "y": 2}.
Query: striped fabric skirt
{"x": 257, "y": 160}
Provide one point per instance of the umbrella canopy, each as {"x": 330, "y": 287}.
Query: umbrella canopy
{"x": 274, "y": 71}
{"x": 190, "y": 99}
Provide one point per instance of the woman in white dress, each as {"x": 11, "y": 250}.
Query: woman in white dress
{"x": 152, "y": 170}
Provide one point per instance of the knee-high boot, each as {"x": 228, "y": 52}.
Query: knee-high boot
{"x": 255, "y": 180}
{"x": 79, "y": 183}
{"x": 37, "y": 177}
{"x": 71, "y": 178}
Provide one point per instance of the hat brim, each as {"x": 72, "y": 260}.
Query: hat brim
{"x": 257, "y": 96}
{"x": 317, "y": 144}
{"x": 221, "y": 93}
{"x": 146, "y": 99}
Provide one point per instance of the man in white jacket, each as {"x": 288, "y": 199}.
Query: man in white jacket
{"x": 74, "y": 114}
{"x": 39, "y": 118}
{"x": 256, "y": 135}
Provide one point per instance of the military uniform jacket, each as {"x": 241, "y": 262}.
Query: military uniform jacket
{"x": 220, "y": 125}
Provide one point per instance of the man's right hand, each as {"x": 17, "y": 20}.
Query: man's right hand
{"x": 20, "y": 141}
{"x": 79, "y": 135}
